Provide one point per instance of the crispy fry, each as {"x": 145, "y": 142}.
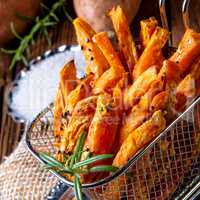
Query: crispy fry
{"x": 67, "y": 79}
{"x": 95, "y": 60}
{"x": 171, "y": 70}
{"x": 123, "y": 111}
{"x": 79, "y": 121}
{"x": 132, "y": 121}
{"x": 144, "y": 109}
{"x": 140, "y": 137}
{"x": 185, "y": 92}
{"x": 188, "y": 50}
{"x": 107, "y": 81}
{"x": 195, "y": 69}
{"x": 160, "y": 101}
{"x": 102, "y": 131}
{"x": 152, "y": 54}
{"x": 158, "y": 85}
{"x": 58, "y": 108}
{"x": 195, "y": 72}
{"x": 126, "y": 43}
{"x": 103, "y": 42}
{"x": 118, "y": 92}
{"x": 139, "y": 87}
{"x": 82, "y": 90}
{"x": 110, "y": 77}
{"x": 148, "y": 26}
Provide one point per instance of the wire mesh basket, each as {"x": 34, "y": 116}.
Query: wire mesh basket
{"x": 168, "y": 164}
{"x": 167, "y": 168}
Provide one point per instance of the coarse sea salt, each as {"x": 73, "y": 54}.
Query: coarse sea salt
{"x": 37, "y": 88}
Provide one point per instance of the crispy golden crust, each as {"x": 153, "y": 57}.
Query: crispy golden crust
{"x": 160, "y": 101}
{"x": 95, "y": 61}
{"x": 140, "y": 137}
{"x": 188, "y": 50}
{"x": 185, "y": 92}
{"x": 102, "y": 131}
{"x": 152, "y": 54}
{"x": 103, "y": 42}
{"x": 125, "y": 39}
{"x": 79, "y": 122}
{"x": 148, "y": 26}
{"x": 58, "y": 109}
{"x": 82, "y": 90}
{"x": 67, "y": 79}
{"x": 107, "y": 81}
{"x": 132, "y": 121}
{"x": 139, "y": 87}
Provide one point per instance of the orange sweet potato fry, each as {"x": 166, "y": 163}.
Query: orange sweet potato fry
{"x": 118, "y": 91}
{"x": 188, "y": 50}
{"x": 139, "y": 138}
{"x": 79, "y": 122}
{"x": 154, "y": 99}
{"x": 58, "y": 108}
{"x": 171, "y": 70}
{"x": 102, "y": 131}
{"x": 82, "y": 90}
{"x": 195, "y": 69}
{"x": 148, "y": 26}
{"x": 67, "y": 79}
{"x": 152, "y": 54}
{"x": 159, "y": 101}
{"x": 157, "y": 86}
{"x": 95, "y": 61}
{"x": 195, "y": 72}
{"x": 139, "y": 87}
{"x": 107, "y": 81}
{"x": 132, "y": 121}
{"x": 185, "y": 92}
{"x": 103, "y": 42}
{"x": 125, "y": 39}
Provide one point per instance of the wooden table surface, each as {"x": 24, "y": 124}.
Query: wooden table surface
{"x": 10, "y": 131}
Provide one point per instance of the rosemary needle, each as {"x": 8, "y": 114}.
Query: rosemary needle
{"x": 74, "y": 166}
{"x": 40, "y": 26}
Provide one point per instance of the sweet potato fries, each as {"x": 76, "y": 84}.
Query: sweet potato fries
{"x": 125, "y": 101}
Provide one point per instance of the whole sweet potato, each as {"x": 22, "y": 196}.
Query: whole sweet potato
{"x": 96, "y": 12}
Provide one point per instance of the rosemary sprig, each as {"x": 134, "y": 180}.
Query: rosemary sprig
{"x": 91, "y": 160}
{"x": 76, "y": 167}
{"x": 77, "y": 188}
{"x": 40, "y": 26}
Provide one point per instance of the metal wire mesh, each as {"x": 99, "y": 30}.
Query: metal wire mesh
{"x": 161, "y": 171}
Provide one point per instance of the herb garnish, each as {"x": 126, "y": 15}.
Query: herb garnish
{"x": 40, "y": 26}
{"x": 74, "y": 166}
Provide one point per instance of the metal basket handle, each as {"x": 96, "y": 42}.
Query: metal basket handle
{"x": 163, "y": 15}
{"x": 185, "y": 13}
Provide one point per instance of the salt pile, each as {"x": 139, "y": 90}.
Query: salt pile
{"x": 37, "y": 88}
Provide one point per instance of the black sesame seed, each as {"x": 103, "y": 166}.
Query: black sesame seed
{"x": 81, "y": 47}
{"x": 66, "y": 114}
{"x": 91, "y": 58}
{"x": 177, "y": 62}
{"x": 89, "y": 49}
